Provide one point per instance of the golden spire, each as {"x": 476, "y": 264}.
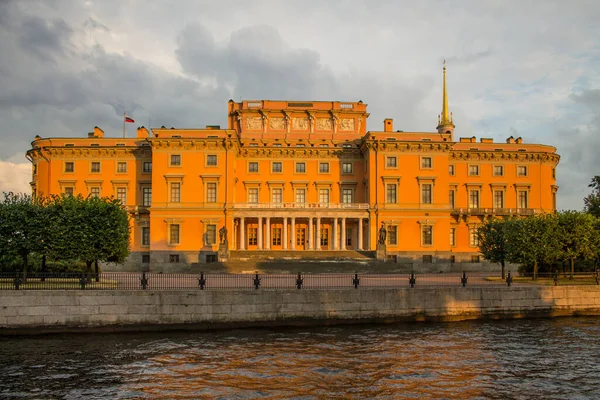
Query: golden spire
{"x": 445, "y": 117}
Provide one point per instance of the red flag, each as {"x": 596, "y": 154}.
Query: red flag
{"x": 129, "y": 119}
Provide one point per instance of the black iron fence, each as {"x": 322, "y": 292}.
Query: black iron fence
{"x": 202, "y": 281}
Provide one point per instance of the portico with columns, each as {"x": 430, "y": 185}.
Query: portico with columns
{"x": 298, "y": 231}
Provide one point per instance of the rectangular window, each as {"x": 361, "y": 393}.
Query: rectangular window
{"x": 324, "y": 168}
{"x": 347, "y": 168}
{"x": 521, "y": 170}
{"x": 473, "y": 170}
{"x": 475, "y": 259}
{"x": 253, "y": 195}
{"x": 323, "y": 145}
{"x": 427, "y": 235}
{"x": 391, "y": 193}
{"x": 122, "y": 194}
{"x": 426, "y": 163}
{"x": 147, "y": 167}
{"x": 175, "y": 192}
{"x": 324, "y": 196}
{"x": 391, "y": 162}
{"x": 175, "y": 160}
{"x": 95, "y": 192}
{"x": 145, "y": 258}
{"x": 145, "y": 236}
{"x": 324, "y": 236}
{"x": 300, "y": 168}
{"x": 301, "y": 196}
{"x": 276, "y": 196}
{"x": 498, "y": 199}
{"x": 146, "y": 196}
{"x": 211, "y": 192}
{"x": 426, "y": 197}
{"x": 253, "y": 167}
{"x": 348, "y": 237}
{"x": 69, "y": 191}
{"x": 95, "y": 166}
{"x": 276, "y": 144}
{"x": 451, "y": 170}
{"x": 211, "y": 160}
{"x": 211, "y": 234}
{"x": 473, "y": 238}
{"x": 427, "y": 259}
{"x": 498, "y": 170}
{"x": 452, "y": 259}
{"x": 277, "y": 167}
{"x": 523, "y": 199}
{"x": 174, "y": 234}
{"x": 252, "y": 236}
{"x": 299, "y": 144}
{"x": 553, "y": 173}
{"x": 121, "y": 167}
{"x": 276, "y": 237}
{"x": 451, "y": 198}
{"x": 174, "y": 258}
{"x": 69, "y": 166}
{"x": 452, "y": 237}
{"x": 347, "y": 196}
{"x": 473, "y": 198}
{"x": 392, "y": 235}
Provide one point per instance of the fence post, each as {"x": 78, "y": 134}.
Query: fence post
{"x": 202, "y": 281}
{"x": 256, "y": 282}
{"x": 83, "y": 281}
{"x": 508, "y": 279}
{"x": 299, "y": 281}
{"x": 356, "y": 281}
{"x": 597, "y": 276}
{"x": 144, "y": 281}
{"x": 412, "y": 280}
{"x": 463, "y": 280}
{"x": 556, "y": 278}
{"x": 17, "y": 281}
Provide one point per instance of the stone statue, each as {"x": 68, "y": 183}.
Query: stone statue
{"x": 382, "y": 235}
{"x": 223, "y": 235}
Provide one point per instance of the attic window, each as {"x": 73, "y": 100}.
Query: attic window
{"x": 347, "y": 145}
{"x": 176, "y": 136}
{"x": 522, "y": 150}
{"x": 391, "y": 138}
{"x": 95, "y": 145}
{"x": 69, "y": 145}
{"x": 254, "y": 144}
{"x": 210, "y": 137}
{"x": 474, "y": 148}
{"x": 498, "y": 149}
{"x": 120, "y": 144}
{"x": 426, "y": 140}
{"x": 145, "y": 144}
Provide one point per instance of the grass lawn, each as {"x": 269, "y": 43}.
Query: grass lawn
{"x": 549, "y": 281}
{"x": 57, "y": 283}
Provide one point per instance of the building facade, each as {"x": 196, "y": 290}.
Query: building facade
{"x": 296, "y": 177}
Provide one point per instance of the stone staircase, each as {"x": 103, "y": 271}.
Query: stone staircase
{"x": 319, "y": 255}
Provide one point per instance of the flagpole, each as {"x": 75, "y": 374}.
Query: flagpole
{"x": 124, "y": 114}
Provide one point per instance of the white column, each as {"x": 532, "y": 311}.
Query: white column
{"x": 259, "y": 238}
{"x": 334, "y": 235}
{"x": 242, "y": 233}
{"x": 293, "y": 229}
{"x": 310, "y": 233}
{"x": 268, "y": 234}
{"x": 284, "y": 243}
{"x": 343, "y": 235}
{"x": 368, "y": 234}
{"x": 360, "y": 234}
{"x": 318, "y": 235}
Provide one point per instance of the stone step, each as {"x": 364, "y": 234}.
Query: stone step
{"x": 240, "y": 255}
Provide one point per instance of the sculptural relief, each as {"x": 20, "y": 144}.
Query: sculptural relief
{"x": 347, "y": 124}
{"x": 300, "y": 124}
{"x": 324, "y": 124}
{"x": 277, "y": 123}
{"x": 254, "y": 123}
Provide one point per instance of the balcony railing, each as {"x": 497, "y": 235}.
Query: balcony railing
{"x": 336, "y": 206}
{"x": 495, "y": 211}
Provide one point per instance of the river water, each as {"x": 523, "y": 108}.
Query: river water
{"x": 521, "y": 359}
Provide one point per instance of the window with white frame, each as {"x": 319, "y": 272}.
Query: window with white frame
{"x": 391, "y": 193}
{"x": 522, "y": 196}
{"x": 498, "y": 170}
{"x": 300, "y": 168}
{"x": 392, "y": 235}
{"x": 276, "y": 196}
{"x": 426, "y": 195}
{"x": 347, "y": 195}
{"x": 276, "y": 167}
{"x": 473, "y": 237}
{"x": 324, "y": 168}
{"x": 146, "y": 196}
{"x": 473, "y": 198}
{"x": 427, "y": 235}
{"x": 174, "y": 234}
{"x": 122, "y": 195}
{"x": 498, "y": 199}
{"x": 301, "y": 196}
{"x": 147, "y": 167}
{"x": 175, "y": 192}
{"x": 451, "y": 170}
{"x": 346, "y": 168}
{"x": 211, "y": 234}
{"x": 324, "y": 196}
{"x": 521, "y": 170}
{"x": 473, "y": 170}
{"x": 145, "y": 236}
{"x": 211, "y": 192}
{"x": 276, "y": 237}
{"x": 253, "y": 195}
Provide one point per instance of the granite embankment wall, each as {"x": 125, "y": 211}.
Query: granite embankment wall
{"x": 30, "y": 311}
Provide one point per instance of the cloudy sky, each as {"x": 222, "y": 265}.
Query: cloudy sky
{"x": 521, "y": 68}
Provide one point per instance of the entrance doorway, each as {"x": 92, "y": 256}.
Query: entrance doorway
{"x": 349, "y": 236}
{"x": 300, "y": 238}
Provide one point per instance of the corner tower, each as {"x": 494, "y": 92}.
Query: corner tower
{"x": 445, "y": 125}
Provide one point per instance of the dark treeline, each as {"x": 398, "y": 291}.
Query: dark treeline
{"x": 61, "y": 232}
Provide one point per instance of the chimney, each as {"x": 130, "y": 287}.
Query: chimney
{"x": 519, "y": 140}
{"x": 99, "y": 133}
{"x": 142, "y": 133}
{"x": 388, "y": 125}
{"x": 510, "y": 140}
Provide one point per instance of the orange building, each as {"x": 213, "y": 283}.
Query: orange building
{"x": 289, "y": 178}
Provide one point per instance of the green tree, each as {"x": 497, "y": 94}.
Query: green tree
{"x": 492, "y": 241}
{"x": 533, "y": 240}
{"x": 592, "y": 201}
{"x": 578, "y": 236}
